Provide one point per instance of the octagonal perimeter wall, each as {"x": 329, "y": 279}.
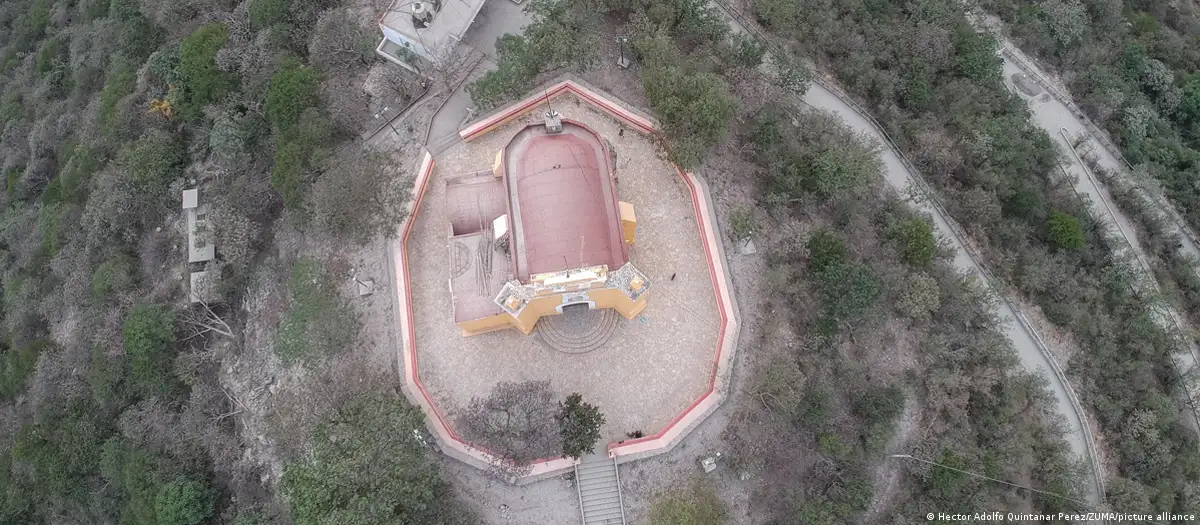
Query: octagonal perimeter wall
{"x": 664, "y": 440}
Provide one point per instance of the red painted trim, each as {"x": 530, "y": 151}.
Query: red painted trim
{"x": 412, "y": 369}
{"x": 623, "y": 116}
{"x": 501, "y": 118}
{"x": 712, "y": 272}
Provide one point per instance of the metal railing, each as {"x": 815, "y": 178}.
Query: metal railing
{"x": 932, "y": 197}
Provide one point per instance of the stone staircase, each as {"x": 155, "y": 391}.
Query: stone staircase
{"x": 599, "y": 488}
{"x": 577, "y": 330}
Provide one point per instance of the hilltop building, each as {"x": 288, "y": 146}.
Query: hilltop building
{"x": 540, "y": 232}
{"x": 421, "y": 29}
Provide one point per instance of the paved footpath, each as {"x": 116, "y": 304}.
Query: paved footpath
{"x": 1031, "y": 349}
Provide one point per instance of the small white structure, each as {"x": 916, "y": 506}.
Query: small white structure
{"x": 198, "y": 250}
{"x": 424, "y": 27}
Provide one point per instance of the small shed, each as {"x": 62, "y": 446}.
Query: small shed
{"x": 200, "y": 249}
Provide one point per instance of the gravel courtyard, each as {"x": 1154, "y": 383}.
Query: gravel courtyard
{"x": 652, "y": 368}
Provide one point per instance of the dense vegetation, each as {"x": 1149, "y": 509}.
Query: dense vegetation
{"x": 934, "y": 81}
{"x": 1135, "y": 67}
{"x": 110, "y": 405}
{"x": 364, "y": 468}
{"x": 856, "y": 273}
{"x": 875, "y": 331}
{"x": 683, "y": 51}
{"x": 111, "y": 410}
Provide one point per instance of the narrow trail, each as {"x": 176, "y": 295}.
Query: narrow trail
{"x": 900, "y": 174}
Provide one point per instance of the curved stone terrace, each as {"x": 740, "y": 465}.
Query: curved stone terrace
{"x": 660, "y": 373}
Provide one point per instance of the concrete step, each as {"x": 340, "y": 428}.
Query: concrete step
{"x": 604, "y": 501}
{"x": 575, "y": 336}
{"x": 595, "y": 467}
{"x": 596, "y": 486}
{"x": 605, "y": 518}
{"x": 599, "y": 487}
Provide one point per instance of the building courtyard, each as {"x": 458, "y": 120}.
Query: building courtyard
{"x": 651, "y": 370}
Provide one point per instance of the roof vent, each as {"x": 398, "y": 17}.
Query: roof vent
{"x": 422, "y": 15}
{"x": 553, "y": 122}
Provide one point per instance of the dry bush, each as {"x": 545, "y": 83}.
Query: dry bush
{"x": 311, "y": 398}
{"x": 360, "y": 195}
{"x": 340, "y": 41}
{"x": 59, "y": 375}
{"x": 515, "y": 424}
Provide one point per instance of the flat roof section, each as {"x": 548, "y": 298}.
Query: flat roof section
{"x": 563, "y": 196}
{"x": 198, "y": 251}
{"x": 477, "y": 273}
{"x": 452, "y": 20}
{"x": 478, "y": 268}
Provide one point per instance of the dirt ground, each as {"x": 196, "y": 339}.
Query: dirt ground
{"x": 664, "y": 355}
{"x": 554, "y": 501}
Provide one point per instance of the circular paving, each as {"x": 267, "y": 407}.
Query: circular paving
{"x": 578, "y": 329}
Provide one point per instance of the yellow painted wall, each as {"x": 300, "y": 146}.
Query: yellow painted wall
{"x": 486, "y": 324}
{"x": 617, "y": 300}
{"x": 537, "y": 308}
{"x": 548, "y": 305}
{"x": 628, "y": 221}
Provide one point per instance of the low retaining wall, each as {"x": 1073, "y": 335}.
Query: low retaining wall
{"x": 663, "y": 441}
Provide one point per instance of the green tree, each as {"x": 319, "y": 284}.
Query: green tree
{"x": 914, "y": 237}
{"x": 359, "y": 196}
{"x": 562, "y": 34}
{"x": 293, "y": 90}
{"x": 813, "y": 409}
{"x": 138, "y": 476}
{"x": 201, "y": 81}
{"x": 318, "y": 321}
{"x": 266, "y": 13}
{"x": 139, "y": 37}
{"x": 579, "y": 425}
{"x": 825, "y": 249}
{"x": 364, "y": 467}
{"x": 1065, "y": 231}
{"x": 107, "y": 380}
{"x": 946, "y": 484}
{"x": 879, "y": 405}
{"x": 975, "y": 54}
{"x": 290, "y": 175}
{"x": 60, "y": 450}
{"x": 919, "y": 297}
{"x": 849, "y": 291}
{"x": 151, "y": 163}
{"x": 695, "y": 106}
{"x": 112, "y": 276}
{"x": 149, "y": 342}
{"x": 184, "y": 502}
{"x": 120, "y": 81}
{"x": 697, "y": 505}
{"x": 15, "y": 366}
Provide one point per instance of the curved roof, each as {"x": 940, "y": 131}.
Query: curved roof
{"x": 563, "y": 200}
